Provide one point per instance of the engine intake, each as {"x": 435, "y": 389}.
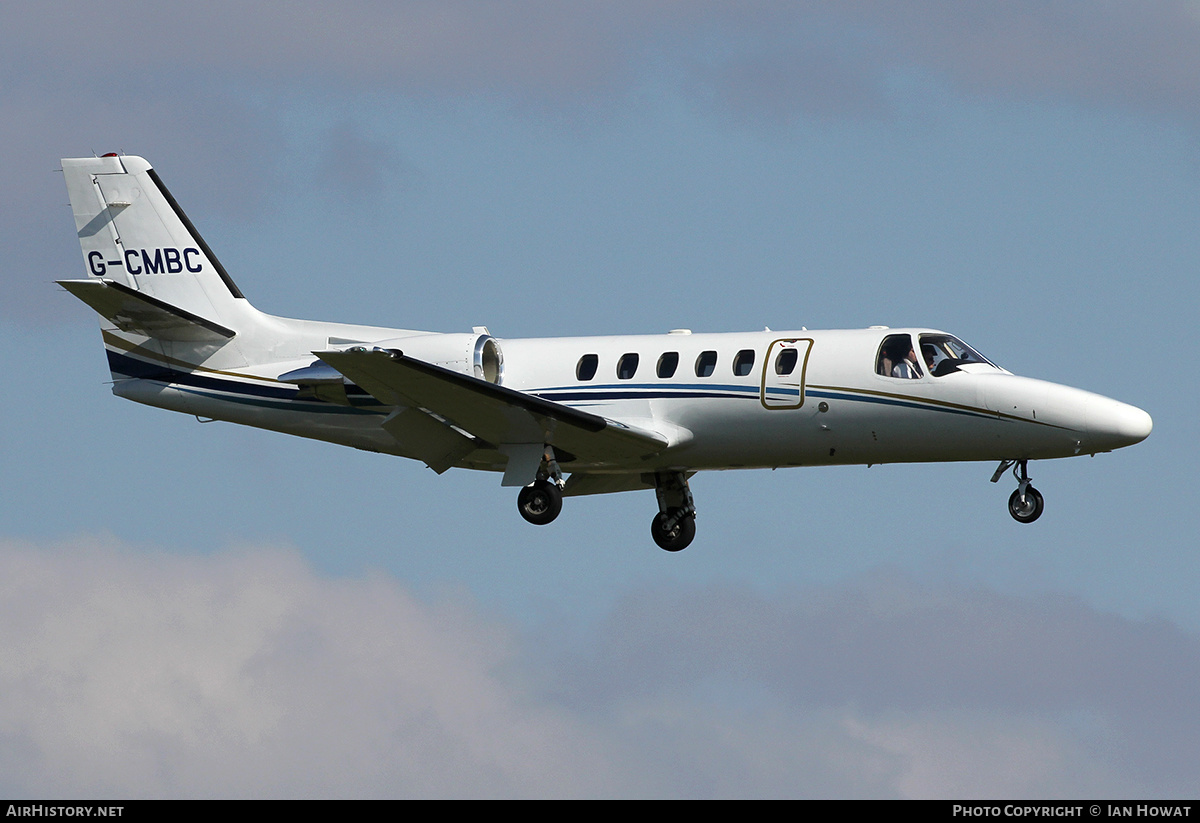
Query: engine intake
{"x": 478, "y": 355}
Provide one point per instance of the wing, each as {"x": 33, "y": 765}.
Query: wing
{"x": 515, "y": 423}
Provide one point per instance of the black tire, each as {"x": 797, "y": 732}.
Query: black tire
{"x": 540, "y": 503}
{"x": 1032, "y": 509}
{"x": 676, "y": 539}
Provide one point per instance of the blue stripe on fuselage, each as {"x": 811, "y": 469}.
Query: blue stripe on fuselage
{"x": 237, "y": 391}
{"x": 281, "y": 396}
{"x": 644, "y": 391}
{"x": 895, "y": 401}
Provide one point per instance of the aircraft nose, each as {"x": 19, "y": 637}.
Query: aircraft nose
{"x": 1113, "y": 424}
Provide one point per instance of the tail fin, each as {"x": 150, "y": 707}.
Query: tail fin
{"x": 149, "y": 271}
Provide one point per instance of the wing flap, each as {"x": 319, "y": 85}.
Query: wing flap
{"x": 428, "y": 439}
{"x": 492, "y": 413}
{"x": 579, "y": 484}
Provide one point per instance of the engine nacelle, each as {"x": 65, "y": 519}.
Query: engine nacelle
{"x": 475, "y": 354}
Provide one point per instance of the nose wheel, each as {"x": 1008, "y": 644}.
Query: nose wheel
{"x": 1026, "y": 503}
{"x": 1028, "y": 509}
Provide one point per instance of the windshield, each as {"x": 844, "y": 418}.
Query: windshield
{"x": 944, "y": 353}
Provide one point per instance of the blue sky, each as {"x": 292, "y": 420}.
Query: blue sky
{"x": 205, "y": 610}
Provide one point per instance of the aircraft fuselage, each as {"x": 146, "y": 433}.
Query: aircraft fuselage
{"x": 842, "y": 412}
{"x": 614, "y": 413}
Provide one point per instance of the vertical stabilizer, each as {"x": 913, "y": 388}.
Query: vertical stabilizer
{"x": 134, "y": 234}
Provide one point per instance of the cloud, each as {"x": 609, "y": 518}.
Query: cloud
{"x": 244, "y": 674}
{"x": 915, "y": 663}
{"x": 1110, "y": 53}
{"x": 208, "y": 146}
{"x": 356, "y": 168}
{"x": 131, "y": 672}
{"x": 796, "y": 57}
{"x": 204, "y": 89}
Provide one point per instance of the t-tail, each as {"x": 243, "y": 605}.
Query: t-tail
{"x": 164, "y": 298}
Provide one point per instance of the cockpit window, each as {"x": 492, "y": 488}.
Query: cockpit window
{"x": 897, "y": 358}
{"x": 944, "y": 353}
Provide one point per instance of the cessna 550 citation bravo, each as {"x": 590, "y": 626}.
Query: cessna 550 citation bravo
{"x": 613, "y": 413}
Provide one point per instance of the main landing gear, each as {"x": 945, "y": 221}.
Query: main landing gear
{"x": 674, "y": 527}
{"x": 541, "y": 501}
{"x": 1026, "y": 503}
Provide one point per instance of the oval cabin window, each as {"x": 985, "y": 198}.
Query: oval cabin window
{"x": 743, "y": 362}
{"x": 706, "y": 364}
{"x": 627, "y": 366}
{"x": 586, "y": 369}
{"x": 785, "y": 363}
{"x": 667, "y": 364}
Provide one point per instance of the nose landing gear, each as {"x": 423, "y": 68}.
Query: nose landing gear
{"x": 1026, "y": 503}
{"x": 1029, "y": 508}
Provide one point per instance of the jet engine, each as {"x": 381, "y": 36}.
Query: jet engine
{"x": 476, "y": 354}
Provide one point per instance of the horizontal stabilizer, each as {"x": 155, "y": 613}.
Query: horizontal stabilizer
{"x": 137, "y": 313}
{"x": 493, "y": 413}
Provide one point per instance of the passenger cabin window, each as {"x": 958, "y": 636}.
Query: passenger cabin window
{"x": 586, "y": 369}
{"x": 627, "y": 366}
{"x": 897, "y": 358}
{"x": 743, "y": 362}
{"x": 706, "y": 364}
{"x": 785, "y": 363}
{"x": 667, "y": 364}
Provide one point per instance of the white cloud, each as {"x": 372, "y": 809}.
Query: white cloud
{"x": 986, "y": 754}
{"x": 133, "y": 673}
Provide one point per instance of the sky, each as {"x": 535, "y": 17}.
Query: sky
{"x": 203, "y": 610}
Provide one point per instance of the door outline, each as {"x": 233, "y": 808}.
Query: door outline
{"x": 789, "y": 383}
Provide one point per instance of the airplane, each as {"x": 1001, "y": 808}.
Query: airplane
{"x": 557, "y": 417}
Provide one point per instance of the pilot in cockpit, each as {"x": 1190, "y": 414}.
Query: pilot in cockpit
{"x": 930, "y": 355}
{"x": 906, "y": 364}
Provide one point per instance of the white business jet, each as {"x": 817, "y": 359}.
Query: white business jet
{"x": 559, "y": 416}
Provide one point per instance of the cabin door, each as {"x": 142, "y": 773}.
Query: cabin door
{"x": 783, "y": 373}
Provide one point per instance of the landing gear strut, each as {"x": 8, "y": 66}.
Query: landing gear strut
{"x": 674, "y": 527}
{"x": 541, "y": 501}
{"x": 1026, "y": 503}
